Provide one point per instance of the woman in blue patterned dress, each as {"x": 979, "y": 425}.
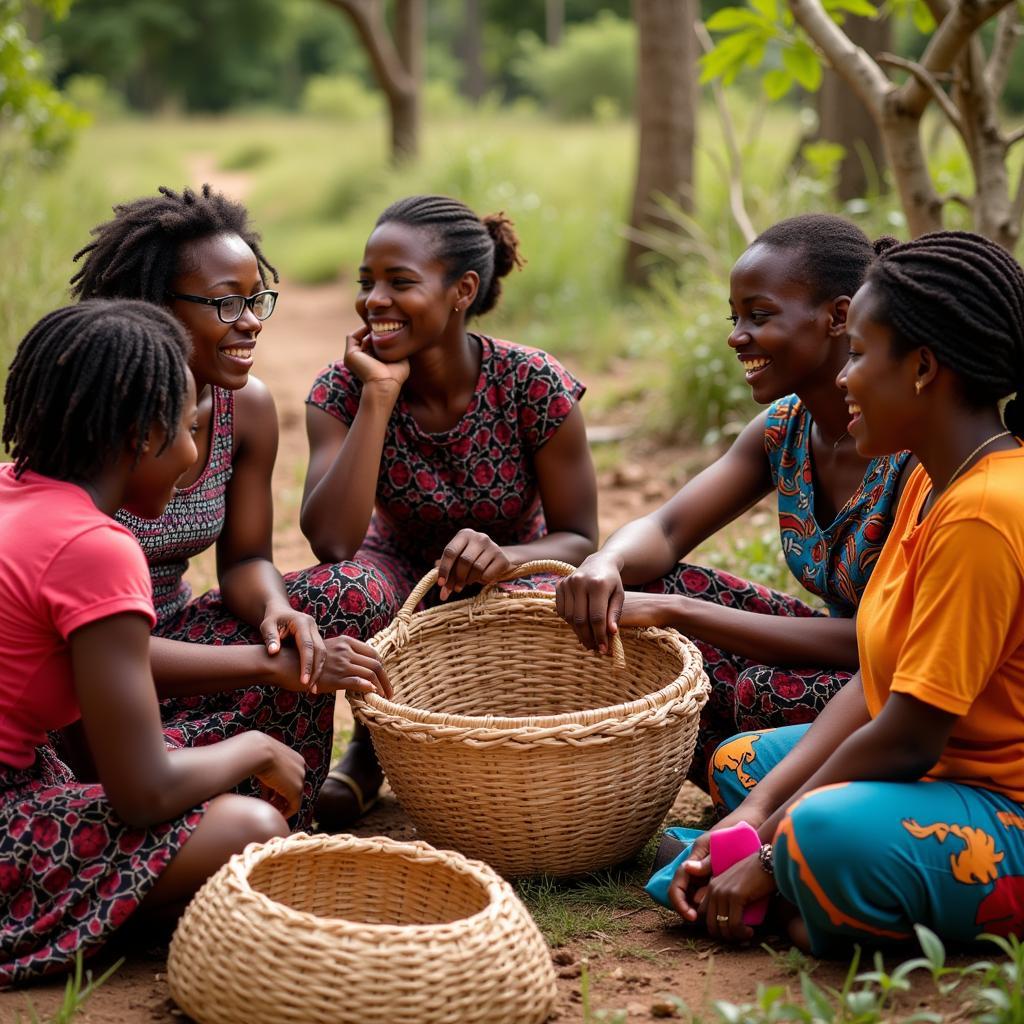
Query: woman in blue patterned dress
{"x": 772, "y": 659}
{"x": 431, "y": 444}
{"x": 263, "y": 651}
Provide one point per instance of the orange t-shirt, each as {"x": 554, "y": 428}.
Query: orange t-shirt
{"x": 942, "y": 618}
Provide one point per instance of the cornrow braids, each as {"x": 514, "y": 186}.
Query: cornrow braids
{"x": 89, "y": 378}
{"x": 962, "y": 296}
{"x": 833, "y": 253}
{"x": 464, "y": 242}
{"x": 136, "y": 254}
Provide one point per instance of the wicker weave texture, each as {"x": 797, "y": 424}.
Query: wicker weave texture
{"x": 341, "y": 930}
{"x": 507, "y": 741}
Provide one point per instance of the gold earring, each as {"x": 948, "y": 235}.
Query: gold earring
{"x": 917, "y": 388}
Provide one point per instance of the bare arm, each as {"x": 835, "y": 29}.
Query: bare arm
{"x": 344, "y": 462}
{"x": 145, "y": 782}
{"x": 649, "y": 547}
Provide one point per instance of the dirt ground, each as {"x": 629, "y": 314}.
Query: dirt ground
{"x": 630, "y": 969}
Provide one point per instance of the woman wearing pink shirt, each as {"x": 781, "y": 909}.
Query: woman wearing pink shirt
{"x": 100, "y": 410}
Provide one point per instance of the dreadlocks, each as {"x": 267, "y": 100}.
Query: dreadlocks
{"x": 136, "y": 254}
{"x": 87, "y": 379}
{"x": 464, "y": 242}
{"x": 963, "y": 297}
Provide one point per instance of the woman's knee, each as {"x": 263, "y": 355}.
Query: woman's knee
{"x": 235, "y": 821}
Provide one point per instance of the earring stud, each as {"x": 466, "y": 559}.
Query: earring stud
{"x": 917, "y": 388}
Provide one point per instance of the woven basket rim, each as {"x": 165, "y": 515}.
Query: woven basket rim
{"x": 240, "y": 867}
{"x": 680, "y": 688}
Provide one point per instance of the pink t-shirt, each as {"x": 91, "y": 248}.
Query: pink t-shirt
{"x": 63, "y": 564}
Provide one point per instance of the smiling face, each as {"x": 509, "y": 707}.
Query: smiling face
{"x": 404, "y": 297}
{"x": 879, "y": 383}
{"x": 215, "y": 266}
{"x": 784, "y": 340}
{"x": 152, "y": 480}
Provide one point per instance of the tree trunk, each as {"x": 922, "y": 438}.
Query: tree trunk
{"x": 474, "y": 85}
{"x": 667, "y": 117}
{"x": 554, "y": 21}
{"x": 843, "y": 118}
{"x": 397, "y": 64}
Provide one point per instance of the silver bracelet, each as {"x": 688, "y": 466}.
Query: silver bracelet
{"x": 766, "y": 858}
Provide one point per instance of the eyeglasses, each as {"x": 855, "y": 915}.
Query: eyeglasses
{"x": 231, "y": 307}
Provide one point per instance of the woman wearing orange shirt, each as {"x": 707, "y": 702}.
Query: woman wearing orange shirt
{"x": 904, "y": 802}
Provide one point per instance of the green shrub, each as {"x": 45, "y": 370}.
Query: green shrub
{"x": 340, "y": 96}
{"x": 591, "y": 73}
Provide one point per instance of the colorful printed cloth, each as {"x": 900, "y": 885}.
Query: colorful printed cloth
{"x": 345, "y": 599}
{"x": 71, "y": 872}
{"x": 866, "y": 861}
{"x": 833, "y": 562}
{"x": 745, "y": 694}
{"x": 480, "y": 474}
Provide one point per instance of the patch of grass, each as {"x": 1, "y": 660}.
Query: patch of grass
{"x": 79, "y": 988}
{"x": 246, "y": 157}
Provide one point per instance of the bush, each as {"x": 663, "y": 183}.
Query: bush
{"x": 341, "y": 96}
{"x": 592, "y": 72}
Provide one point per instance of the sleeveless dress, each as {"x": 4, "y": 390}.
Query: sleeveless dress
{"x": 833, "y": 562}
{"x": 479, "y": 474}
{"x": 343, "y": 598}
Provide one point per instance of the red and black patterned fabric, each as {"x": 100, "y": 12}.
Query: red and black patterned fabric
{"x": 478, "y": 475}
{"x": 71, "y": 872}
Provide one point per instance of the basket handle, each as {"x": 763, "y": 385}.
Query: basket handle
{"x": 516, "y": 572}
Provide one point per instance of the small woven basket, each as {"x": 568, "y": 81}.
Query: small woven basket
{"x": 341, "y": 930}
{"x": 507, "y": 741}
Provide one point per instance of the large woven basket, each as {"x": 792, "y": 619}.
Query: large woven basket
{"x": 341, "y": 930}
{"x": 508, "y": 741}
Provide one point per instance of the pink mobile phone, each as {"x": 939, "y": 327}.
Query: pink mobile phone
{"x": 729, "y": 845}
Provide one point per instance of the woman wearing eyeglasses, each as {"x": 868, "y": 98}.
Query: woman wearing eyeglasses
{"x": 264, "y": 651}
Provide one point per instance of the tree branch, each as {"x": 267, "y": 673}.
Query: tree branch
{"x": 945, "y": 46}
{"x": 863, "y": 73}
{"x": 368, "y": 18}
{"x": 1014, "y": 137}
{"x": 929, "y": 82}
{"x": 1007, "y": 33}
{"x": 735, "y": 168}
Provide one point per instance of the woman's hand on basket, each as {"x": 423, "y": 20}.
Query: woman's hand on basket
{"x": 282, "y": 771}
{"x": 470, "y": 557}
{"x": 354, "y": 665}
{"x": 590, "y": 600}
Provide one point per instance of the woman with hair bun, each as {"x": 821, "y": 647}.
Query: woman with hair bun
{"x": 434, "y": 444}
{"x": 903, "y": 804}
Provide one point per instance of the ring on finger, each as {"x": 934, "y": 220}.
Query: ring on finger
{"x": 721, "y": 918}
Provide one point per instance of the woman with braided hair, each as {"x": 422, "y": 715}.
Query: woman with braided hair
{"x": 100, "y": 415}
{"x": 903, "y": 803}
{"x": 434, "y": 444}
{"x": 262, "y": 651}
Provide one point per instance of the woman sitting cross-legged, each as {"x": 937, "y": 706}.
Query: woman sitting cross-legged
{"x": 263, "y": 651}
{"x": 771, "y": 659}
{"x": 903, "y": 803}
{"x": 432, "y": 443}
{"x": 100, "y": 413}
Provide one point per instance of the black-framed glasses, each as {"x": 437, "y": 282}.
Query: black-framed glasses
{"x": 231, "y": 307}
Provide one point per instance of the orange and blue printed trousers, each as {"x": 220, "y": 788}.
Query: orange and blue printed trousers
{"x": 866, "y": 861}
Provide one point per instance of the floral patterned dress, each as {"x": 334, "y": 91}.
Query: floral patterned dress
{"x": 834, "y": 562}
{"x": 344, "y": 598}
{"x": 479, "y": 474}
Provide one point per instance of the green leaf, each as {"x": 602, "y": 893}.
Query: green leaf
{"x": 728, "y": 19}
{"x": 803, "y": 64}
{"x": 863, "y": 8}
{"x": 923, "y": 19}
{"x": 729, "y": 55}
{"x": 776, "y": 83}
{"x": 931, "y": 946}
{"x": 768, "y": 9}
